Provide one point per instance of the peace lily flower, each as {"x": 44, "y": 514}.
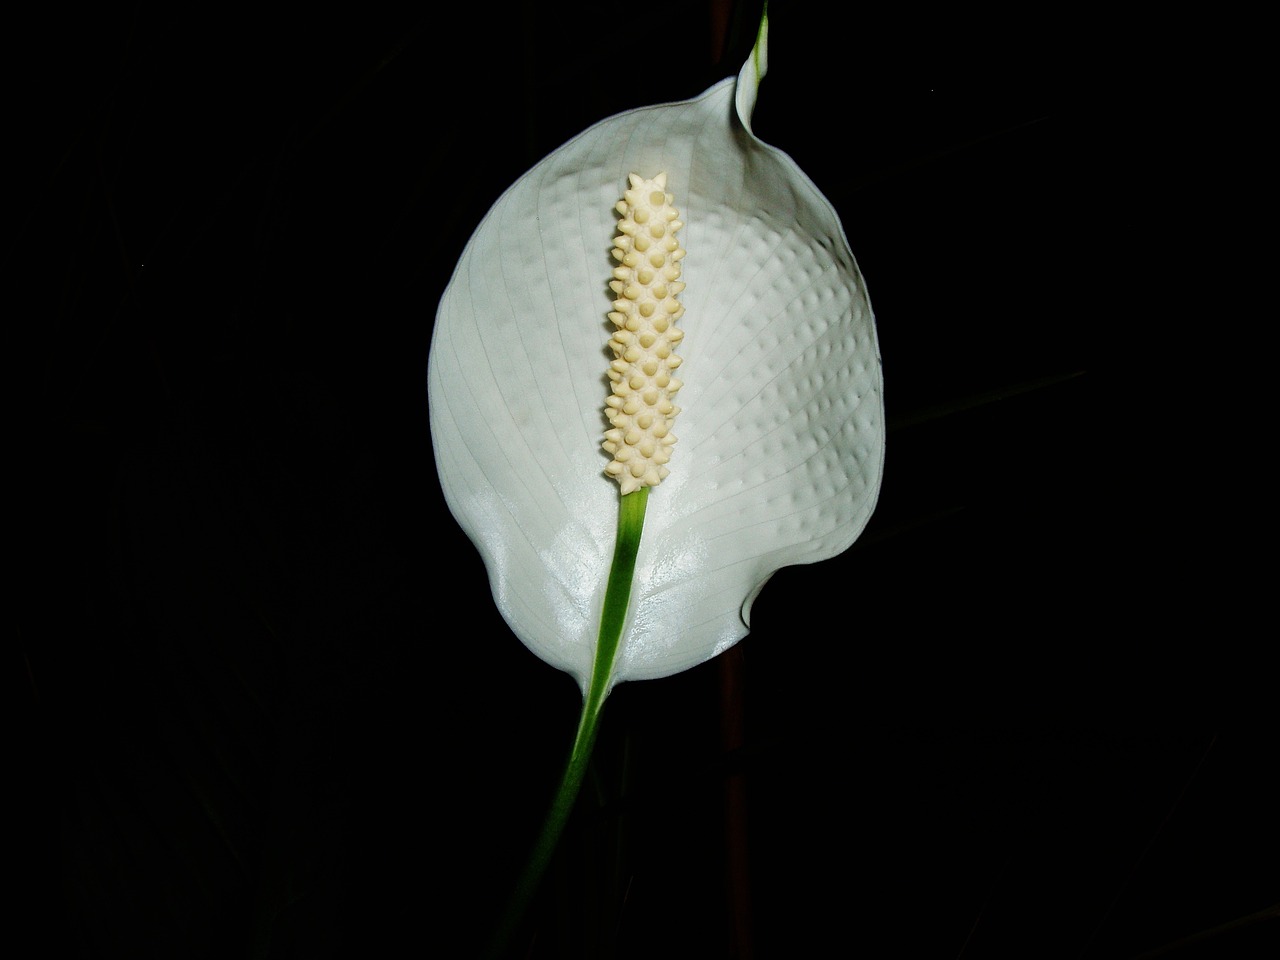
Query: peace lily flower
{"x": 782, "y": 431}
{"x": 780, "y": 420}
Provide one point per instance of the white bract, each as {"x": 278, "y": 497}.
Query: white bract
{"x": 782, "y": 425}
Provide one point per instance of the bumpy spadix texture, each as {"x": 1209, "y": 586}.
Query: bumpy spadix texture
{"x": 646, "y": 282}
{"x": 781, "y": 430}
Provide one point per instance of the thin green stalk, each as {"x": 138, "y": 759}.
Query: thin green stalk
{"x": 612, "y": 621}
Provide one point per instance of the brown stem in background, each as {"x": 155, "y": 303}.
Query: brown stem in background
{"x": 732, "y": 689}
{"x": 721, "y": 13}
{"x": 732, "y": 726}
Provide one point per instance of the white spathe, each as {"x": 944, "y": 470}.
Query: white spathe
{"x": 781, "y": 443}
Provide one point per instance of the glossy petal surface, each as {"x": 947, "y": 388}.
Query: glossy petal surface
{"x": 782, "y": 431}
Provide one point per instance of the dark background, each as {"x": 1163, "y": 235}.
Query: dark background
{"x": 269, "y": 709}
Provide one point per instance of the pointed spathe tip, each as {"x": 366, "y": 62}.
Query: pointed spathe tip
{"x": 753, "y": 71}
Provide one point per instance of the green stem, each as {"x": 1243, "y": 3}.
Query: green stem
{"x": 613, "y": 617}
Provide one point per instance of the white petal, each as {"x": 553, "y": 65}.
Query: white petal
{"x": 782, "y": 431}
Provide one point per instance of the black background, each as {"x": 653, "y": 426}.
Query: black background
{"x": 270, "y": 709}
